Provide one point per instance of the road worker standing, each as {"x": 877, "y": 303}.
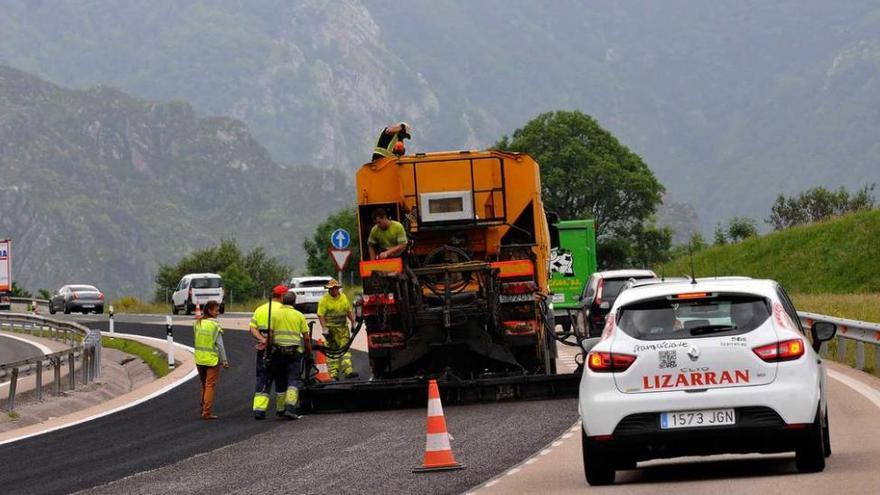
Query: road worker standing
{"x": 260, "y": 330}
{"x": 210, "y": 354}
{"x": 290, "y": 342}
{"x": 390, "y": 141}
{"x": 335, "y": 312}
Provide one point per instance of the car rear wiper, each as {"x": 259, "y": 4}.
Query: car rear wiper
{"x": 704, "y": 329}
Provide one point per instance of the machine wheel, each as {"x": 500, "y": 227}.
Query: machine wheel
{"x": 66, "y": 309}
{"x": 51, "y": 308}
{"x": 826, "y": 436}
{"x": 596, "y": 469}
{"x": 810, "y": 455}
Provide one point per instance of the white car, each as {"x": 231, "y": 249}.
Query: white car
{"x": 197, "y": 288}
{"x": 703, "y": 367}
{"x": 309, "y": 291}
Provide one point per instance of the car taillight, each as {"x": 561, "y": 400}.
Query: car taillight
{"x": 599, "y": 291}
{"x": 518, "y": 288}
{"x": 76, "y": 295}
{"x": 787, "y": 350}
{"x": 604, "y": 362}
{"x": 101, "y": 296}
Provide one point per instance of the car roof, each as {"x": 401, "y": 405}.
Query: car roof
{"x": 202, "y": 275}
{"x": 626, "y": 273}
{"x": 310, "y": 279}
{"x": 762, "y": 287}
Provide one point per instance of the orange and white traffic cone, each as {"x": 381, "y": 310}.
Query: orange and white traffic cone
{"x": 438, "y": 452}
{"x": 321, "y": 363}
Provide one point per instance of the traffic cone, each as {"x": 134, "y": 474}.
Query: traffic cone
{"x": 321, "y": 363}
{"x": 438, "y": 453}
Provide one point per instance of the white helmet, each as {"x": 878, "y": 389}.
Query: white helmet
{"x": 406, "y": 130}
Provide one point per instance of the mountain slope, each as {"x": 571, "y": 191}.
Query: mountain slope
{"x": 730, "y": 103}
{"x": 835, "y": 256}
{"x": 99, "y": 187}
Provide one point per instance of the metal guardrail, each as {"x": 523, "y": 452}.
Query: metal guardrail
{"x": 861, "y": 332}
{"x": 43, "y": 304}
{"x": 84, "y": 344}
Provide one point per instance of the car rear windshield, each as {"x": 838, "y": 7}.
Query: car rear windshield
{"x": 83, "y": 288}
{"x": 312, "y": 283}
{"x": 207, "y": 283}
{"x": 611, "y": 287}
{"x": 717, "y": 315}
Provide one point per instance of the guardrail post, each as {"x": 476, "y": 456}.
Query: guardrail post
{"x": 84, "y": 366}
{"x": 841, "y": 349}
{"x": 39, "y": 389}
{"x": 56, "y": 363}
{"x": 13, "y": 382}
{"x": 71, "y": 367}
{"x": 860, "y": 355}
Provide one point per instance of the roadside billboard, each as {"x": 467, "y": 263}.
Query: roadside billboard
{"x": 5, "y": 266}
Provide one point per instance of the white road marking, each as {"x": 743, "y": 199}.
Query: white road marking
{"x": 862, "y": 388}
{"x": 42, "y": 348}
{"x": 155, "y": 394}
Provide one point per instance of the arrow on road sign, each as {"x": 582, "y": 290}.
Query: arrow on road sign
{"x": 340, "y": 257}
{"x": 340, "y": 239}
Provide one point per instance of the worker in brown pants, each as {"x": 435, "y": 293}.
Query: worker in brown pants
{"x": 210, "y": 354}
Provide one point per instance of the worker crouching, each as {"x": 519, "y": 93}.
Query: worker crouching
{"x": 334, "y": 313}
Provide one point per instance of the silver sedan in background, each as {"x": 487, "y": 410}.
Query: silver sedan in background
{"x": 80, "y": 298}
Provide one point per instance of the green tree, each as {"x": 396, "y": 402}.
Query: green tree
{"x": 19, "y": 291}
{"x": 720, "y": 236}
{"x": 651, "y": 246}
{"x": 251, "y": 275}
{"x": 318, "y": 261}
{"x": 44, "y": 293}
{"x": 587, "y": 173}
{"x": 818, "y": 204}
{"x": 740, "y": 228}
{"x": 697, "y": 243}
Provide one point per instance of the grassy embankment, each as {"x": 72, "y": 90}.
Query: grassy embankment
{"x": 155, "y": 359}
{"x": 831, "y": 267}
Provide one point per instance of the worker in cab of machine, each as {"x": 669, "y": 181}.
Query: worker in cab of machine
{"x": 290, "y": 342}
{"x": 260, "y": 330}
{"x": 390, "y": 141}
{"x": 335, "y": 312}
{"x": 210, "y": 354}
{"x": 387, "y": 237}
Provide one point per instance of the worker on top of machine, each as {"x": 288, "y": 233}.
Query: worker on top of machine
{"x": 387, "y": 237}
{"x": 335, "y": 312}
{"x": 391, "y": 141}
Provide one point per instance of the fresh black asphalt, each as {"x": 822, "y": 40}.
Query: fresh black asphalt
{"x": 354, "y": 452}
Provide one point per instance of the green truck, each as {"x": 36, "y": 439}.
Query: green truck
{"x": 572, "y": 261}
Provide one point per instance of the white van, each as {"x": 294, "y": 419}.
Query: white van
{"x": 197, "y": 288}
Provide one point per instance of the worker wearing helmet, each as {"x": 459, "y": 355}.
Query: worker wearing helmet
{"x": 334, "y": 313}
{"x": 290, "y": 342}
{"x": 387, "y": 237}
{"x": 210, "y": 354}
{"x": 390, "y": 141}
{"x": 260, "y": 330}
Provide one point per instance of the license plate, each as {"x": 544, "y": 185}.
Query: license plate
{"x": 516, "y": 298}
{"x": 693, "y": 419}
{"x": 558, "y": 298}
{"x": 88, "y": 305}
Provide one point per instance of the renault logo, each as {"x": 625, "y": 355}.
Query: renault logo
{"x": 694, "y": 353}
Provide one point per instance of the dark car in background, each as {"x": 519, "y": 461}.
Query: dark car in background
{"x": 79, "y": 298}
{"x": 600, "y": 292}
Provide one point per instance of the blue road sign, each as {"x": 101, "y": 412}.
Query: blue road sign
{"x": 340, "y": 239}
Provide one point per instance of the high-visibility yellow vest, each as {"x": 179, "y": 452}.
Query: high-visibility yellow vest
{"x": 388, "y": 150}
{"x": 206, "y": 333}
{"x": 334, "y": 309}
{"x": 288, "y": 327}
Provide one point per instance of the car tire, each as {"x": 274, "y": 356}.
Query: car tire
{"x": 826, "y": 436}
{"x": 174, "y": 309}
{"x": 66, "y": 309}
{"x": 810, "y": 455}
{"x": 51, "y": 308}
{"x": 189, "y": 308}
{"x": 597, "y": 471}
{"x": 222, "y": 308}
{"x": 99, "y": 311}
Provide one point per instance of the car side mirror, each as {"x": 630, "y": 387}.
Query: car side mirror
{"x": 604, "y": 305}
{"x": 822, "y": 331}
